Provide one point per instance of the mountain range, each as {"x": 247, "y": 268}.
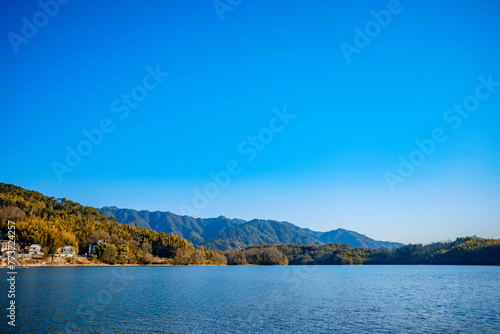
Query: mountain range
{"x": 223, "y": 233}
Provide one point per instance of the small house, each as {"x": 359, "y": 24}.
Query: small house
{"x": 35, "y": 249}
{"x": 67, "y": 251}
{"x": 6, "y": 247}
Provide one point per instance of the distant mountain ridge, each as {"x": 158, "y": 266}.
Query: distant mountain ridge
{"x": 223, "y": 233}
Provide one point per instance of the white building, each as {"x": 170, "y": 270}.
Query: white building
{"x": 35, "y": 249}
{"x": 67, "y": 251}
{"x": 7, "y": 247}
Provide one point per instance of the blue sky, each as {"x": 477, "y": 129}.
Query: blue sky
{"x": 352, "y": 116}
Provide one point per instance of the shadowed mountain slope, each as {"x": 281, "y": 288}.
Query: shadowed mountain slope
{"x": 222, "y": 233}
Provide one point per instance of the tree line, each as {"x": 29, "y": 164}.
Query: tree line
{"x": 462, "y": 251}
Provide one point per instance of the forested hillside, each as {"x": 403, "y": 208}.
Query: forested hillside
{"x": 53, "y": 223}
{"x": 463, "y": 251}
{"x": 195, "y": 230}
{"x": 224, "y": 234}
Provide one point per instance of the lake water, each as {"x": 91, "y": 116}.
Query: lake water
{"x": 256, "y": 299}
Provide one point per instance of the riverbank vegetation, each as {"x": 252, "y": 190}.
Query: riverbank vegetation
{"x": 462, "y": 251}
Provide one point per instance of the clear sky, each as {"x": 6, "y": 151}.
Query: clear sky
{"x": 308, "y": 111}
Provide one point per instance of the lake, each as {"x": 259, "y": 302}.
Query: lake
{"x": 256, "y": 299}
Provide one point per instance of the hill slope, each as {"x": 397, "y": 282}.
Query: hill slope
{"x": 222, "y": 233}
{"x": 195, "y": 230}
{"x": 257, "y": 232}
{"x": 54, "y": 223}
{"x": 355, "y": 239}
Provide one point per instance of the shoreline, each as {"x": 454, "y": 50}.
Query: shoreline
{"x": 116, "y": 265}
{"x": 228, "y": 265}
{"x": 28, "y": 265}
